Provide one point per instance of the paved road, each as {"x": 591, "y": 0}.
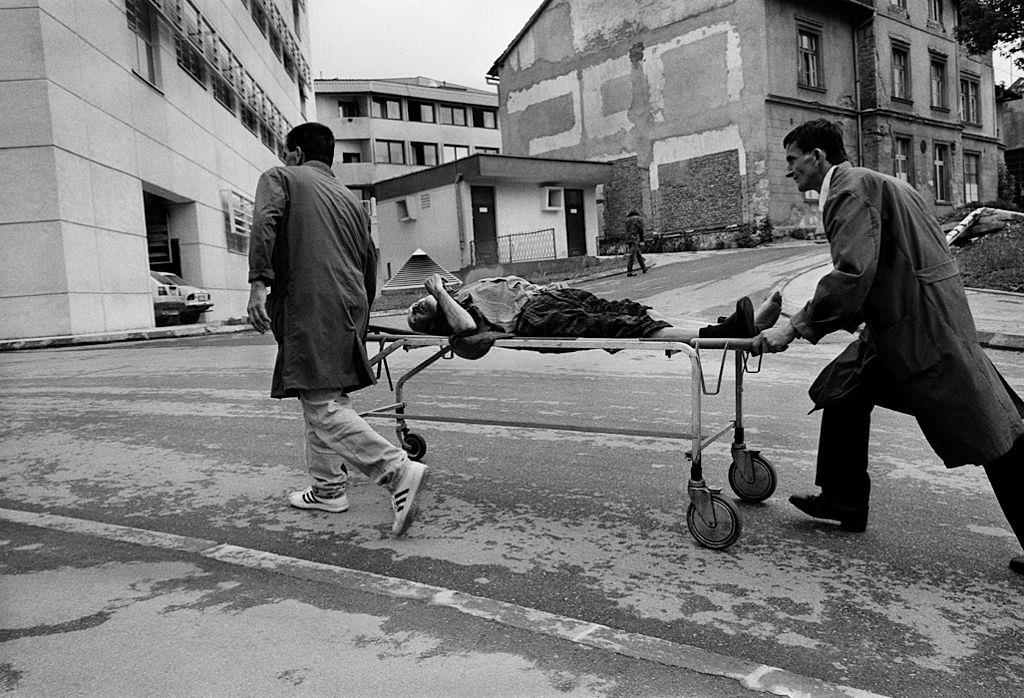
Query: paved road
{"x": 178, "y": 437}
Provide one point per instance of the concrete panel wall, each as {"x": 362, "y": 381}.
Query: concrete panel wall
{"x": 84, "y": 136}
{"x": 435, "y": 230}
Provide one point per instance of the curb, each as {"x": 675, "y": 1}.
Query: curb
{"x": 749, "y": 675}
{"x": 139, "y": 335}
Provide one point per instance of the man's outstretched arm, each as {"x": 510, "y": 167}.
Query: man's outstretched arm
{"x": 458, "y": 317}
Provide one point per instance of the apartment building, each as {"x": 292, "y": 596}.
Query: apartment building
{"x": 134, "y": 134}
{"x": 389, "y": 128}
{"x": 690, "y": 101}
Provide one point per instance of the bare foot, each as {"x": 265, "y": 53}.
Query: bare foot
{"x": 768, "y": 312}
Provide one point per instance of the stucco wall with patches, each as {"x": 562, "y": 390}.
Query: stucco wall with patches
{"x": 675, "y": 87}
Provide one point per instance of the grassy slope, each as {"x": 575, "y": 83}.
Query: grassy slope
{"x": 994, "y": 261}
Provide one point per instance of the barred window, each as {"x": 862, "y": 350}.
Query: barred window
{"x": 189, "y": 45}
{"x": 237, "y": 220}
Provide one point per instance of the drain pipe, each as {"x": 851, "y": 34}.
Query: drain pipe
{"x": 461, "y": 220}
{"x": 856, "y": 88}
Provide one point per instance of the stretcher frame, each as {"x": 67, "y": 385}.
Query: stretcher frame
{"x": 712, "y": 520}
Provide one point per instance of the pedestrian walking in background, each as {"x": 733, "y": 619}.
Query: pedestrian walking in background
{"x": 918, "y": 352}
{"x": 634, "y": 238}
{"x": 310, "y": 244}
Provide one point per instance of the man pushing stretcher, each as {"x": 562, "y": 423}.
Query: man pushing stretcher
{"x": 485, "y": 310}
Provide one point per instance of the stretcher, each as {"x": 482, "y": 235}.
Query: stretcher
{"x": 712, "y": 519}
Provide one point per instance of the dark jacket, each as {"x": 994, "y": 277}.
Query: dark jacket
{"x": 893, "y": 272}
{"x": 634, "y": 229}
{"x": 311, "y": 244}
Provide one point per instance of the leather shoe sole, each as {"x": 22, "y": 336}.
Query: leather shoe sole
{"x": 850, "y": 518}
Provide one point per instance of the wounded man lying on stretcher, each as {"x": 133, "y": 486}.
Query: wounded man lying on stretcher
{"x": 489, "y": 309}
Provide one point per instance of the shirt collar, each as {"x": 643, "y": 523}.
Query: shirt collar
{"x": 826, "y": 184}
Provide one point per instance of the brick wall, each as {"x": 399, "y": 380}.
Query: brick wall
{"x": 700, "y": 192}
{"x": 624, "y": 193}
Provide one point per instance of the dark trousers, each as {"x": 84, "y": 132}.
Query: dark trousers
{"x": 634, "y": 255}
{"x": 842, "y": 468}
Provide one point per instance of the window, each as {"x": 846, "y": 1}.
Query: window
{"x": 247, "y": 111}
{"x": 551, "y": 198}
{"x": 452, "y": 116}
{"x": 424, "y": 154}
{"x": 901, "y": 159}
{"x": 941, "y": 172}
{"x": 969, "y": 101}
{"x": 971, "y": 178}
{"x": 810, "y": 57}
{"x": 900, "y": 72}
{"x": 488, "y": 151}
{"x": 898, "y": 4}
{"x": 143, "y": 52}
{"x": 384, "y": 108}
{"x": 189, "y": 45}
{"x": 484, "y": 118}
{"x": 224, "y": 76}
{"x": 348, "y": 108}
{"x": 237, "y": 221}
{"x": 938, "y": 72}
{"x": 350, "y": 158}
{"x": 935, "y": 11}
{"x": 454, "y": 152}
{"x": 392, "y": 152}
{"x": 421, "y": 111}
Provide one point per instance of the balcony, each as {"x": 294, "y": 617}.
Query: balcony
{"x": 349, "y": 128}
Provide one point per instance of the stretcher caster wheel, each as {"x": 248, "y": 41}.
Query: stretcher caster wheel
{"x": 720, "y": 533}
{"x": 415, "y": 445}
{"x": 754, "y": 484}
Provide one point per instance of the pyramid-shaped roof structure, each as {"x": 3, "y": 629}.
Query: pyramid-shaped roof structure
{"x": 417, "y": 269}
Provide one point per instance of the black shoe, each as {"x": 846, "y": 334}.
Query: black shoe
{"x": 738, "y": 325}
{"x": 632, "y": 273}
{"x": 849, "y": 518}
{"x": 1017, "y": 564}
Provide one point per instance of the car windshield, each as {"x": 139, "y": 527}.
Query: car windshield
{"x": 174, "y": 279}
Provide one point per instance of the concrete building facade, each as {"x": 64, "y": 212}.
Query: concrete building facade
{"x": 390, "y": 127}
{"x": 133, "y": 135}
{"x": 1012, "y": 117}
{"x": 690, "y": 101}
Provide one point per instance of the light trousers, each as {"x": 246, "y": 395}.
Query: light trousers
{"x": 337, "y": 437}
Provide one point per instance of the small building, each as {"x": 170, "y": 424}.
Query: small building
{"x": 490, "y": 209}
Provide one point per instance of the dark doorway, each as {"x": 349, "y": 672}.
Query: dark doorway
{"x": 485, "y": 227}
{"x": 575, "y": 229}
{"x": 163, "y": 249}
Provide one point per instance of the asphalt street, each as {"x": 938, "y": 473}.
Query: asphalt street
{"x": 148, "y": 549}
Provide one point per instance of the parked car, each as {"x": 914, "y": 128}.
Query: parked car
{"x": 167, "y": 301}
{"x": 197, "y": 300}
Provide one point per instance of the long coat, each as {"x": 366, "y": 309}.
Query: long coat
{"x": 311, "y": 245}
{"x": 893, "y": 272}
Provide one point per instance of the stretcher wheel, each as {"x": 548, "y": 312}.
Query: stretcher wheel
{"x": 721, "y": 533}
{"x": 753, "y": 487}
{"x": 414, "y": 445}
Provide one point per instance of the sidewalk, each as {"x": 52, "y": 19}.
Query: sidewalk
{"x": 998, "y": 315}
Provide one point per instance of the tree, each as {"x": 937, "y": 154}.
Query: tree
{"x": 984, "y": 24}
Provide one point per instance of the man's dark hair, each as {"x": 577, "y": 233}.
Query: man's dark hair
{"x": 819, "y": 133}
{"x": 315, "y": 139}
{"x": 436, "y": 324}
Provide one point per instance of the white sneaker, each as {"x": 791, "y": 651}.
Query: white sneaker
{"x": 403, "y": 498}
{"x": 307, "y": 500}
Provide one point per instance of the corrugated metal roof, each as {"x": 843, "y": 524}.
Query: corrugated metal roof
{"x": 415, "y": 271}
